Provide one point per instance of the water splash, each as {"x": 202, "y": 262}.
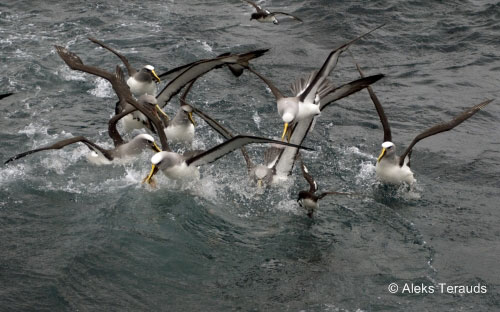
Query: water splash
{"x": 103, "y": 89}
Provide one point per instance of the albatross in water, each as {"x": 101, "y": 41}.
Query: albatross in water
{"x": 394, "y": 169}
{"x": 121, "y": 89}
{"x": 122, "y": 150}
{"x": 140, "y": 82}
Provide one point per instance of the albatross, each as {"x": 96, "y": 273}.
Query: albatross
{"x": 185, "y": 167}
{"x": 122, "y": 150}
{"x": 140, "y": 82}
{"x": 121, "y": 89}
{"x": 261, "y": 174}
{"x": 308, "y": 92}
{"x": 394, "y": 169}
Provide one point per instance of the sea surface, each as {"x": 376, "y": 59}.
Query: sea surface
{"x": 80, "y": 237}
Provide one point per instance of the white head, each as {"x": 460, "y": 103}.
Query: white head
{"x": 288, "y": 108}
{"x": 388, "y": 150}
{"x": 146, "y": 137}
{"x": 165, "y": 160}
{"x": 142, "y": 141}
{"x": 150, "y": 69}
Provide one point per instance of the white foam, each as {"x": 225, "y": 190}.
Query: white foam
{"x": 366, "y": 173}
{"x": 205, "y": 45}
{"x": 256, "y": 119}
{"x": 32, "y": 129}
{"x": 103, "y": 89}
{"x": 70, "y": 75}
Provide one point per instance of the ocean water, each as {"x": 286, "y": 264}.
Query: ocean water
{"x": 75, "y": 236}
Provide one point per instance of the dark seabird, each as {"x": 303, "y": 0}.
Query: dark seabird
{"x": 394, "y": 169}
{"x": 309, "y": 199}
{"x": 308, "y": 92}
{"x": 123, "y": 150}
{"x": 265, "y": 16}
{"x": 121, "y": 89}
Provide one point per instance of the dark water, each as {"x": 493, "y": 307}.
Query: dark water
{"x": 80, "y": 237}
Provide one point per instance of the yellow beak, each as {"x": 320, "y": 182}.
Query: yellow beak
{"x": 161, "y": 111}
{"x": 381, "y": 154}
{"x": 155, "y": 75}
{"x": 156, "y": 147}
{"x": 284, "y": 131}
{"x": 259, "y": 183}
{"x": 190, "y": 116}
{"x": 149, "y": 178}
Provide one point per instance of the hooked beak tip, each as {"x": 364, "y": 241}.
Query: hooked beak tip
{"x": 156, "y": 76}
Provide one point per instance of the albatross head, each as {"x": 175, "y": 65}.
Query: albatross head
{"x": 388, "y": 150}
{"x": 151, "y": 70}
{"x": 288, "y": 108}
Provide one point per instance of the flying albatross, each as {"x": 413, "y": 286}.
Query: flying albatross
{"x": 308, "y": 92}
{"x": 309, "y": 199}
{"x": 394, "y": 169}
{"x": 265, "y": 16}
{"x": 121, "y": 89}
{"x": 140, "y": 82}
{"x": 122, "y": 150}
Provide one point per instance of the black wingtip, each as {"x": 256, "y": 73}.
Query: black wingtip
{"x": 11, "y": 159}
{"x": 261, "y": 52}
{"x": 376, "y": 77}
{"x": 5, "y": 95}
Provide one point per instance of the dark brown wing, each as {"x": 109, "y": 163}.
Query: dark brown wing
{"x": 188, "y": 88}
{"x": 309, "y": 93}
{"x": 313, "y": 186}
{"x": 199, "y": 68}
{"x": 443, "y": 127}
{"x": 230, "y": 145}
{"x": 379, "y": 108}
{"x": 130, "y": 69}
{"x": 224, "y": 132}
{"x": 332, "y": 94}
{"x": 75, "y": 62}
{"x": 277, "y": 93}
{"x": 113, "y": 131}
{"x": 63, "y": 143}
{"x": 119, "y": 86}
